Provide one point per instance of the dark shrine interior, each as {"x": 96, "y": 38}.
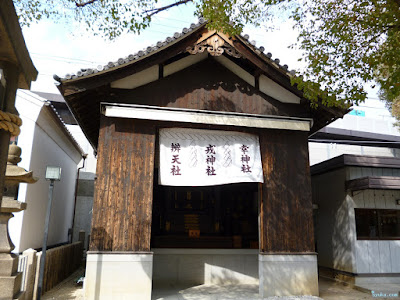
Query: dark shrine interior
{"x": 222, "y": 216}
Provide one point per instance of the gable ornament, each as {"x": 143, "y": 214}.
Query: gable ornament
{"x": 215, "y": 45}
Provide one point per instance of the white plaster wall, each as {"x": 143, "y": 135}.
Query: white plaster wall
{"x": 84, "y": 202}
{"x": 29, "y": 108}
{"x": 88, "y": 172}
{"x": 271, "y": 88}
{"x": 333, "y": 233}
{"x": 43, "y": 143}
{"x": 376, "y": 256}
{"x": 138, "y": 79}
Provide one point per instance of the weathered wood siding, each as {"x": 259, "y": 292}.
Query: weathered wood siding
{"x": 122, "y": 205}
{"x": 208, "y": 86}
{"x": 286, "y": 223}
{"x": 61, "y": 262}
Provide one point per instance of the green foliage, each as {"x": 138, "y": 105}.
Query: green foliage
{"x": 111, "y": 18}
{"x": 347, "y": 44}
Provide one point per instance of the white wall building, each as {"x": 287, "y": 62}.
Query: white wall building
{"x": 358, "y": 221}
{"x": 87, "y": 168}
{"x": 44, "y": 141}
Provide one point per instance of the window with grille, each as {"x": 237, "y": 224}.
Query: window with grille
{"x": 378, "y": 224}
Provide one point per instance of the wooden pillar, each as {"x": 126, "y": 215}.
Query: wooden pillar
{"x": 119, "y": 263}
{"x": 123, "y": 196}
{"x": 286, "y": 223}
{"x": 287, "y": 262}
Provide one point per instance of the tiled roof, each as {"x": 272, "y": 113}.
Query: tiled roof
{"x": 163, "y": 44}
{"x": 64, "y": 126}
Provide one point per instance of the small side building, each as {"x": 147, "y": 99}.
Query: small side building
{"x": 357, "y": 224}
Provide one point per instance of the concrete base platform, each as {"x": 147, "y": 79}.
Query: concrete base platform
{"x": 288, "y": 275}
{"x": 205, "y": 266}
{"x": 113, "y": 275}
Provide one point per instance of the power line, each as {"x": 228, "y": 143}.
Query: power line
{"x": 68, "y": 60}
{"x": 172, "y": 19}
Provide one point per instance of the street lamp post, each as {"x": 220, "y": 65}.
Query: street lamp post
{"x": 52, "y": 174}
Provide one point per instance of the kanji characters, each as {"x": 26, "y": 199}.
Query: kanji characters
{"x": 175, "y": 170}
{"x": 210, "y": 160}
{"x": 175, "y": 159}
{"x": 175, "y": 147}
{"x": 210, "y": 171}
{"x": 245, "y": 159}
{"x": 210, "y": 149}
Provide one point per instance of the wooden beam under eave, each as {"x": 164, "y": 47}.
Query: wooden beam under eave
{"x": 271, "y": 72}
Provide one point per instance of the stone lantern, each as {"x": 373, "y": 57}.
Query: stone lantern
{"x": 10, "y": 279}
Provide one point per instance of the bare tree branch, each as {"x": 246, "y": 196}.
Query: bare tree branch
{"x": 82, "y": 4}
{"x": 154, "y": 11}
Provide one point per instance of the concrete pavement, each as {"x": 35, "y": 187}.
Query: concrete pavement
{"x": 329, "y": 290}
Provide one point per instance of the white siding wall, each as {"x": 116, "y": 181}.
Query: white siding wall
{"x": 333, "y": 234}
{"x": 376, "y": 256}
{"x": 358, "y": 172}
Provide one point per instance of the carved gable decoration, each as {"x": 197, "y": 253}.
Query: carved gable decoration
{"x": 215, "y": 45}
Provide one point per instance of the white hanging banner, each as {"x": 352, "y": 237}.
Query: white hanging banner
{"x": 197, "y": 157}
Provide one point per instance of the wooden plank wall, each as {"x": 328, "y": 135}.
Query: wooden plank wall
{"x": 208, "y": 86}
{"x": 286, "y": 224}
{"x": 60, "y": 263}
{"x": 122, "y": 206}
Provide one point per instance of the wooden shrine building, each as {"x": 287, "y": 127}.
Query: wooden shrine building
{"x": 203, "y": 172}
